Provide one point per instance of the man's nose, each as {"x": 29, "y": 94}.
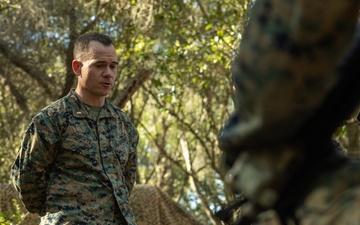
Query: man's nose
{"x": 108, "y": 72}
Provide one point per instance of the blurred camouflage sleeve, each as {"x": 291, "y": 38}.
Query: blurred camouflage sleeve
{"x": 29, "y": 172}
{"x": 131, "y": 165}
{"x": 286, "y": 64}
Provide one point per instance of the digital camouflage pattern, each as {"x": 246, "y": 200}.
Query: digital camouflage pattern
{"x": 285, "y": 65}
{"x": 75, "y": 168}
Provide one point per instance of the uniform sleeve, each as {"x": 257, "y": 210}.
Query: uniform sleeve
{"x": 131, "y": 165}
{"x": 286, "y": 64}
{"x": 29, "y": 172}
{"x": 326, "y": 206}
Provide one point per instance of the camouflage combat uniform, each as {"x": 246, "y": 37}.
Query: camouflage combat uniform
{"x": 286, "y": 67}
{"x": 76, "y": 168}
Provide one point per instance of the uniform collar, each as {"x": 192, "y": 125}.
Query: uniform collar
{"x": 81, "y": 110}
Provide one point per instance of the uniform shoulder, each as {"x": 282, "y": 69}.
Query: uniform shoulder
{"x": 57, "y": 108}
{"x": 336, "y": 184}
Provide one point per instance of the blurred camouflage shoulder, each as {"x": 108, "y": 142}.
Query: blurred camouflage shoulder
{"x": 335, "y": 198}
{"x": 286, "y": 65}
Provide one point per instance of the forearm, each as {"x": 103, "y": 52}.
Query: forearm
{"x": 131, "y": 166}
{"x": 31, "y": 185}
{"x": 131, "y": 171}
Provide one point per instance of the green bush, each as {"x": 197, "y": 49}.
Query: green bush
{"x": 8, "y": 217}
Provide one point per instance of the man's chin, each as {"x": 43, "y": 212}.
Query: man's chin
{"x": 106, "y": 93}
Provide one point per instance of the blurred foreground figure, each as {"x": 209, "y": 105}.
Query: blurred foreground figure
{"x": 296, "y": 80}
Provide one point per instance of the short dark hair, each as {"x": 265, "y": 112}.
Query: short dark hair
{"x": 82, "y": 42}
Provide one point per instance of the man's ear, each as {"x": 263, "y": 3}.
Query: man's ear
{"x": 76, "y": 66}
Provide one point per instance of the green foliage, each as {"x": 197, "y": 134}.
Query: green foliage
{"x": 9, "y": 218}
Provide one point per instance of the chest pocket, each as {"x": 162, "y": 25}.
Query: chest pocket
{"x": 80, "y": 138}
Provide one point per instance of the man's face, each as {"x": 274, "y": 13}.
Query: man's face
{"x": 97, "y": 70}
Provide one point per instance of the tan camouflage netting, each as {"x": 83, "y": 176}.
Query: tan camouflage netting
{"x": 151, "y": 207}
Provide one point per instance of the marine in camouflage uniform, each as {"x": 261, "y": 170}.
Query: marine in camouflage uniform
{"x": 76, "y": 164}
{"x": 296, "y": 80}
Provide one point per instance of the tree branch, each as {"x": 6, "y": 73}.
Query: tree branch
{"x": 203, "y": 9}
{"x": 19, "y": 98}
{"x": 133, "y": 84}
{"x": 18, "y": 60}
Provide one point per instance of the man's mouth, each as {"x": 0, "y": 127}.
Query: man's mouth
{"x": 106, "y": 84}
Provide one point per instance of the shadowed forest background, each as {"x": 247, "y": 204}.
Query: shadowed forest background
{"x": 173, "y": 81}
